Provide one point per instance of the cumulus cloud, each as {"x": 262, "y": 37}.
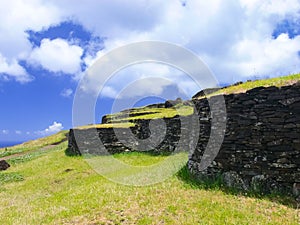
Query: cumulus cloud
{"x": 233, "y": 37}
{"x": 58, "y": 56}
{"x": 147, "y": 79}
{"x": 268, "y": 57}
{"x": 115, "y": 18}
{"x": 16, "y": 17}
{"x": 13, "y": 70}
{"x": 18, "y": 132}
{"x": 54, "y": 128}
{"x": 66, "y": 92}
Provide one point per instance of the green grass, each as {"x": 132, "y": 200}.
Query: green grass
{"x": 53, "y": 188}
{"x": 139, "y": 158}
{"x": 34, "y": 144}
{"x": 151, "y": 113}
{"x": 7, "y": 177}
{"x": 48, "y": 187}
{"x": 278, "y": 82}
{"x": 28, "y": 156}
{"x": 126, "y": 120}
{"x": 108, "y": 125}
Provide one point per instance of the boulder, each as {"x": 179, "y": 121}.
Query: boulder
{"x": 171, "y": 103}
{"x": 4, "y": 165}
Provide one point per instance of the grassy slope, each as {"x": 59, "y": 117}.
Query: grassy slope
{"x": 48, "y": 187}
{"x": 34, "y": 144}
{"x": 56, "y": 189}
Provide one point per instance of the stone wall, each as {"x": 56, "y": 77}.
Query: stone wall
{"x": 261, "y": 146}
{"x": 166, "y": 134}
{"x": 260, "y": 149}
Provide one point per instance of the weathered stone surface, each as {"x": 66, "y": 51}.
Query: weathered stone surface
{"x": 233, "y": 180}
{"x": 261, "y": 142}
{"x": 4, "y": 165}
{"x": 261, "y": 146}
{"x": 296, "y": 189}
{"x": 171, "y": 103}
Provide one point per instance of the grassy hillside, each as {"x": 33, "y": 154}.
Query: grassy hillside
{"x": 52, "y": 188}
{"x": 35, "y": 144}
{"x": 45, "y": 186}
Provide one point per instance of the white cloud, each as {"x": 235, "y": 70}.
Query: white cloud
{"x": 233, "y": 37}
{"x": 5, "y": 132}
{"x": 109, "y": 92}
{"x": 151, "y": 79}
{"x": 13, "y": 70}
{"x": 16, "y": 17}
{"x": 278, "y": 7}
{"x": 58, "y": 56}
{"x": 115, "y": 18}
{"x": 66, "y": 92}
{"x": 151, "y": 86}
{"x": 54, "y": 128}
{"x": 18, "y": 132}
{"x": 268, "y": 57}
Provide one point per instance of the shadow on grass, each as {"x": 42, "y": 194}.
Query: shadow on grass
{"x": 217, "y": 184}
{"x": 69, "y": 152}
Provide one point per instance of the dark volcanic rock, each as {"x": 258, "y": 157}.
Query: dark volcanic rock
{"x": 205, "y": 92}
{"x": 171, "y": 103}
{"x": 4, "y": 165}
{"x": 260, "y": 149}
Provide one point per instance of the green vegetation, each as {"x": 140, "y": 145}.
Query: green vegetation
{"x": 139, "y": 158}
{"x": 107, "y": 125}
{"x": 278, "y": 82}
{"x": 151, "y": 113}
{"x": 35, "y": 144}
{"x": 52, "y": 188}
{"x": 7, "y": 177}
{"x": 28, "y": 156}
{"x": 45, "y": 186}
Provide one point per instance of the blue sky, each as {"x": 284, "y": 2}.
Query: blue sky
{"x": 46, "y": 47}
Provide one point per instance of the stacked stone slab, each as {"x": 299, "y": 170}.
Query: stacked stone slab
{"x": 261, "y": 146}
{"x": 101, "y": 141}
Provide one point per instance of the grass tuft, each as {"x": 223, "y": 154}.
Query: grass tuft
{"x": 8, "y": 177}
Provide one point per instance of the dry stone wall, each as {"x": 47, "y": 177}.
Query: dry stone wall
{"x": 261, "y": 146}
{"x": 91, "y": 140}
{"x": 260, "y": 150}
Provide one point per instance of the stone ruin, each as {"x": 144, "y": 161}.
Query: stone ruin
{"x": 261, "y": 146}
